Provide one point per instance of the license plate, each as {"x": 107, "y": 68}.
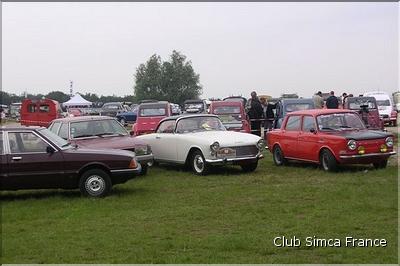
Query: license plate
{"x": 226, "y": 153}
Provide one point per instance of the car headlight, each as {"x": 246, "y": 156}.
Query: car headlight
{"x": 142, "y": 149}
{"x": 352, "y": 144}
{"x": 261, "y": 144}
{"x": 389, "y": 141}
{"x": 215, "y": 146}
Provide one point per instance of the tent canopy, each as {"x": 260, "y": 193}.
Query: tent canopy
{"x": 77, "y": 100}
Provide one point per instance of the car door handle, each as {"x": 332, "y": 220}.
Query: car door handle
{"x": 16, "y": 158}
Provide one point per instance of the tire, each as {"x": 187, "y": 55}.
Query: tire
{"x": 279, "y": 158}
{"x": 381, "y": 164}
{"x": 198, "y": 163}
{"x": 328, "y": 161}
{"x": 95, "y": 183}
{"x": 145, "y": 167}
{"x": 250, "y": 167}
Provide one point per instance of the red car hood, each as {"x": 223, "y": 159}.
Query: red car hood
{"x": 117, "y": 142}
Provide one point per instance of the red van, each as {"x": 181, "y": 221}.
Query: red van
{"x": 39, "y": 112}
{"x": 149, "y": 115}
{"x": 232, "y": 115}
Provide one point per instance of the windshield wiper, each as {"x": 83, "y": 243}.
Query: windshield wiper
{"x": 328, "y": 128}
{"x": 108, "y": 133}
{"x": 84, "y": 136}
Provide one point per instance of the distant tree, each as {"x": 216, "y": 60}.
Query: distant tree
{"x": 174, "y": 80}
{"x": 58, "y": 96}
{"x": 5, "y": 98}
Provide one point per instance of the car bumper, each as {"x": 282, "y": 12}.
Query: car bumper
{"x": 236, "y": 160}
{"x": 365, "y": 158}
{"x": 145, "y": 159}
{"x": 123, "y": 175}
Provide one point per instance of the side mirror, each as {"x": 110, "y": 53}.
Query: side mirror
{"x": 50, "y": 149}
{"x": 312, "y": 130}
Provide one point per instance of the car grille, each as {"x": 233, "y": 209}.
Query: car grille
{"x": 250, "y": 150}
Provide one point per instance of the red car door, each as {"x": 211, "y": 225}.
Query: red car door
{"x": 308, "y": 145}
{"x": 291, "y": 134}
{"x": 30, "y": 165}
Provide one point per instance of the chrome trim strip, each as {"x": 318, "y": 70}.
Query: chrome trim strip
{"x": 366, "y": 155}
{"x": 259, "y": 156}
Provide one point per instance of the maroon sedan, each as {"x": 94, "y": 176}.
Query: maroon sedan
{"x": 102, "y": 132}
{"x": 329, "y": 137}
{"x": 36, "y": 158}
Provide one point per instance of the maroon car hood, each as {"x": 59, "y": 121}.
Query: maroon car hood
{"x": 117, "y": 142}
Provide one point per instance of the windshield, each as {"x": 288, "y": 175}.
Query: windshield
{"x": 359, "y": 104}
{"x": 60, "y": 142}
{"x": 291, "y": 107}
{"x": 339, "y": 121}
{"x": 153, "y": 111}
{"x": 97, "y": 128}
{"x": 199, "y": 123}
{"x": 383, "y": 102}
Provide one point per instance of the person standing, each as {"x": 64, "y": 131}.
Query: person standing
{"x": 344, "y": 96}
{"x": 318, "y": 100}
{"x": 255, "y": 112}
{"x": 332, "y": 102}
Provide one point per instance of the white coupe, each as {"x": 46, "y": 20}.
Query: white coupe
{"x": 202, "y": 140}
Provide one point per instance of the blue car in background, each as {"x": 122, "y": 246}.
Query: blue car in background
{"x": 287, "y": 105}
{"x": 128, "y": 117}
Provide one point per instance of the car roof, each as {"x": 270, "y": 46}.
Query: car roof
{"x": 320, "y": 111}
{"x": 83, "y": 118}
{"x": 185, "y": 115}
{"x": 13, "y": 128}
{"x": 297, "y": 100}
{"x": 153, "y": 104}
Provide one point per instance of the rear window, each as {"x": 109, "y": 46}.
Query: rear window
{"x": 226, "y": 110}
{"x": 159, "y": 111}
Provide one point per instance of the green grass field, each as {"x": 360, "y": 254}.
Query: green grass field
{"x": 173, "y": 216}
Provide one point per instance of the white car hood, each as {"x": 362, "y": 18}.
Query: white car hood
{"x": 225, "y": 138}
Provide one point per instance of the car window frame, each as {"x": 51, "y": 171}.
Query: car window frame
{"x": 300, "y": 123}
{"x": 168, "y": 120}
{"x": 33, "y": 132}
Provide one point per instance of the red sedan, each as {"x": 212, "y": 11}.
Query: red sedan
{"x": 329, "y": 137}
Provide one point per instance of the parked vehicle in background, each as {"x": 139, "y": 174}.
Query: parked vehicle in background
{"x": 128, "y": 117}
{"x": 289, "y": 96}
{"x": 232, "y": 115}
{"x": 6, "y": 110}
{"x": 112, "y": 109}
{"x": 36, "y": 158}
{"x": 195, "y": 106}
{"x": 396, "y": 100}
{"x": 240, "y": 99}
{"x": 329, "y": 137}
{"x": 101, "y": 132}
{"x": 15, "y": 111}
{"x": 367, "y": 109}
{"x": 39, "y": 112}
{"x": 385, "y": 106}
{"x": 149, "y": 115}
{"x": 285, "y": 106}
{"x": 201, "y": 140}
{"x": 176, "y": 109}
{"x": 74, "y": 112}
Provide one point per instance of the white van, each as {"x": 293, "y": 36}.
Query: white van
{"x": 385, "y": 106}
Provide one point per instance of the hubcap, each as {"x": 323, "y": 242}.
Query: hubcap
{"x": 325, "y": 161}
{"x": 198, "y": 163}
{"x": 95, "y": 185}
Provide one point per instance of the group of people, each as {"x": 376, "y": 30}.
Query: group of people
{"x": 332, "y": 102}
{"x": 260, "y": 113}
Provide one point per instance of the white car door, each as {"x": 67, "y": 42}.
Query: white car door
{"x": 164, "y": 143}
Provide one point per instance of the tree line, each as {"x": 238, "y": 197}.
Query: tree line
{"x": 173, "y": 80}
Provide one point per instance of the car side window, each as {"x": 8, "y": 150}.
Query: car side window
{"x": 26, "y": 142}
{"x": 55, "y": 127}
{"x": 166, "y": 127}
{"x": 63, "y": 133}
{"x": 308, "y": 123}
{"x": 293, "y": 123}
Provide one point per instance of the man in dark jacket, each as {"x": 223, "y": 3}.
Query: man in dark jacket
{"x": 332, "y": 102}
{"x": 255, "y": 111}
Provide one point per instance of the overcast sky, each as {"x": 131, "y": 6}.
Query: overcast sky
{"x": 235, "y": 47}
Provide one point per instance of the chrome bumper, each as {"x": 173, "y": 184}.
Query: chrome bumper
{"x": 230, "y": 160}
{"x": 145, "y": 159}
{"x": 367, "y": 155}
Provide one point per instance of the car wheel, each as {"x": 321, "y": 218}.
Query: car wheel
{"x": 145, "y": 167}
{"x": 328, "y": 161}
{"x": 381, "y": 164}
{"x": 95, "y": 183}
{"x": 278, "y": 157}
{"x": 198, "y": 163}
{"x": 122, "y": 121}
{"x": 250, "y": 167}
